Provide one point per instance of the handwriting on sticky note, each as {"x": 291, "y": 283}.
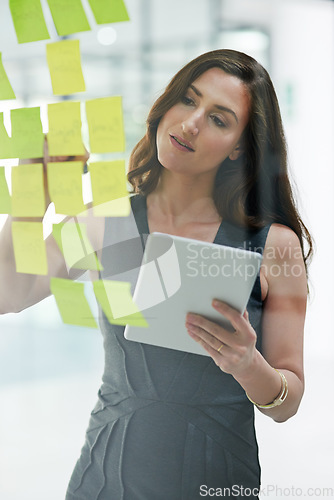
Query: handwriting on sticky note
{"x": 5, "y": 199}
{"x": 28, "y": 19}
{"x": 64, "y": 63}
{"x": 109, "y": 11}
{"x": 65, "y": 186}
{"x": 6, "y": 90}
{"x": 69, "y": 16}
{"x": 72, "y": 302}
{"x": 73, "y": 241}
{"x": 27, "y": 133}
{"x": 117, "y": 304}
{"x": 110, "y": 195}
{"x": 28, "y": 199}
{"x": 105, "y": 124}
{"x": 64, "y": 137}
{"x": 29, "y": 247}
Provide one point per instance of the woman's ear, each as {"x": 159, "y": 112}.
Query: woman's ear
{"x": 236, "y": 153}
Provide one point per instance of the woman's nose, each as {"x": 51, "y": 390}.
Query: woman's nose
{"x": 191, "y": 124}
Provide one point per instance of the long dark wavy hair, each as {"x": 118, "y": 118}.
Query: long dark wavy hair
{"x": 253, "y": 190}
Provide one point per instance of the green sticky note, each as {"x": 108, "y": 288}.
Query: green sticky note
{"x": 29, "y": 247}
{"x": 109, "y": 188}
{"x": 69, "y": 16}
{"x": 5, "y": 200}
{"x": 64, "y": 63}
{"x": 64, "y": 137}
{"x": 6, "y": 91}
{"x": 105, "y": 124}
{"x": 117, "y": 304}
{"x": 72, "y": 303}
{"x": 27, "y": 133}
{"x": 65, "y": 186}
{"x": 73, "y": 241}
{"x": 28, "y": 199}
{"x": 109, "y": 11}
{"x": 5, "y": 141}
{"x": 28, "y": 19}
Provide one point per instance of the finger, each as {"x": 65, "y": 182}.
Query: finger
{"x": 84, "y": 157}
{"x": 236, "y": 319}
{"x": 52, "y": 158}
{"x": 215, "y": 355}
{"x": 205, "y": 337}
{"x": 212, "y": 328}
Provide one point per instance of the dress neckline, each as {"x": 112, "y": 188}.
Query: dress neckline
{"x": 139, "y": 209}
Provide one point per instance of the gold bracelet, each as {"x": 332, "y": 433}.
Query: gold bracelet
{"x": 280, "y": 399}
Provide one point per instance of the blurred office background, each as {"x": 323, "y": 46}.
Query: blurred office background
{"x": 49, "y": 372}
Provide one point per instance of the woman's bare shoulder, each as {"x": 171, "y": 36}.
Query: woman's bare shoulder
{"x": 282, "y": 259}
{"x": 281, "y": 237}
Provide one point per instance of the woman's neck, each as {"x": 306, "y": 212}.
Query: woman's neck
{"x": 182, "y": 199}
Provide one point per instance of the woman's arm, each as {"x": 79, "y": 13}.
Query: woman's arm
{"x": 285, "y": 295}
{"x": 19, "y": 290}
{"x": 284, "y": 314}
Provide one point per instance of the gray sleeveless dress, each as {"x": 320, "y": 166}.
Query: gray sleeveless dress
{"x": 167, "y": 425}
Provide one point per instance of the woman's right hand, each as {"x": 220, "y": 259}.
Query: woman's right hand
{"x": 21, "y": 290}
{"x": 50, "y": 159}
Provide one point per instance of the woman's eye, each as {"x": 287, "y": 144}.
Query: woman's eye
{"x": 187, "y": 100}
{"x": 218, "y": 121}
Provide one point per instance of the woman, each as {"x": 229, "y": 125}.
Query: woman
{"x": 212, "y": 166}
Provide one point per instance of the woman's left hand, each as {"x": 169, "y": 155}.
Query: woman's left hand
{"x": 234, "y": 352}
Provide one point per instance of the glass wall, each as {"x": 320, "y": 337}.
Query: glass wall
{"x": 50, "y": 372}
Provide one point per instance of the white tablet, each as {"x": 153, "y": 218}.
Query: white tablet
{"x": 180, "y": 275}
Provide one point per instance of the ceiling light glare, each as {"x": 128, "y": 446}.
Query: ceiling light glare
{"x": 106, "y": 35}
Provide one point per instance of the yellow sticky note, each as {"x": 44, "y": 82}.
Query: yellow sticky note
{"x": 5, "y": 200}
{"x": 29, "y": 247}
{"x": 69, "y": 16}
{"x": 73, "y": 241}
{"x": 6, "y": 90}
{"x": 117, "y": 304}
{"x": 28, "y": 199}
{"x": 5, "y": 141}
{"x": 65, "y": 186}
{"x": 109, "y": 11}
{"x": 28, "y": 19}
{"x": 64, "y": 63}
{"x": 27, "y": 133}
{"x": 64, "y": 137}
{"x": 110, "y": 194}
{"x": 105, "y": 124}
{"x": 72, "y": 303}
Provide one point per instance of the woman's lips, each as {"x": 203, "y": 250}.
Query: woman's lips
{"x": 181, "y": 144}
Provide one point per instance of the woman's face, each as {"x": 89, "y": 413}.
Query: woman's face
{"x": 204, "y": 128}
